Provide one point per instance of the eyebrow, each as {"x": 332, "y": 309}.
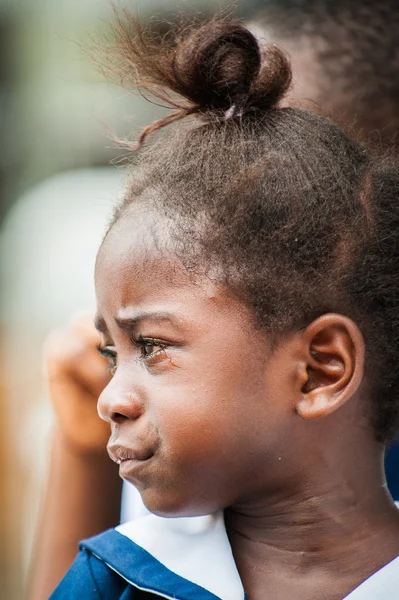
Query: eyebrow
{"x": 129, "y": 322}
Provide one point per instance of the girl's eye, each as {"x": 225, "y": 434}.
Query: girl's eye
{"x": 150, "y": 347}
{"x": 151, "y": 351}
{"x": 110, "y": 355}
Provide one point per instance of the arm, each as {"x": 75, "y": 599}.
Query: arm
{"x": 83, "y": 491}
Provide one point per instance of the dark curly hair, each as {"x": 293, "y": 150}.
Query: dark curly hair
{"x": 279, "y": 203}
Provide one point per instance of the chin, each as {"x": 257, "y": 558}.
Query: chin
{"x": 170, "y": 504}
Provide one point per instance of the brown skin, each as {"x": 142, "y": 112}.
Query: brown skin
{"x": 217, "y": 420}
{"x": 84, "y": 489}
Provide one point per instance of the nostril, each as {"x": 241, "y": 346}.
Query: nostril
{"x": 118, "y": 406}
{"x": 118, "y": 418}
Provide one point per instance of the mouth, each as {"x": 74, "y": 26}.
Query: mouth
{"x": 130, "y": 469}
{"x": 128, "y": 459}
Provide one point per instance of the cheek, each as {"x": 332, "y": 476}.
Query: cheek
{"x": 214, "y": 416}
{"x": 216, "y": 435}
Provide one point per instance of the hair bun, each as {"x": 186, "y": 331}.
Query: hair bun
{"x": 220, "y": 67}
{"x": 216, "y": 68}
{"x": 217, "y": 65}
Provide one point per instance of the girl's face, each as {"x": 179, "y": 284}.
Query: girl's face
{"x": 198, "y": 404}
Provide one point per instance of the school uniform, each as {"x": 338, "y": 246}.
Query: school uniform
{"x": 185, "y": 559}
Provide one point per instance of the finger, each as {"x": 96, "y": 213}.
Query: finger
{"x": 80, "y": 421}
{"x": 82, "y": 324}
{"x": 68, "y": 355}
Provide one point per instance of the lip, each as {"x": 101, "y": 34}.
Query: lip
{"x": 128, "y": 468}
{"x": 122, "y": 454}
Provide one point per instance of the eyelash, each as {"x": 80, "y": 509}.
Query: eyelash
{"x": 142, "y": 343}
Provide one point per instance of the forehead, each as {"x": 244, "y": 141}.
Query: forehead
{"x": 138, "y": 233}
{"x": 136, "y": 267}
{"x": 135, "y": 253}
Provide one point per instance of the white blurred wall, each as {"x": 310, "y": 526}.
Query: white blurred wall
{"x": 48, "y": 245}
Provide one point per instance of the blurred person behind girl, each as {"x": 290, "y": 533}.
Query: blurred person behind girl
{"x": 248, "y": 299}
{"x": 345, "y": 59}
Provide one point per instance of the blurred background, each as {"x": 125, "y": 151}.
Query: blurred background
{"x": 56, "y": 195}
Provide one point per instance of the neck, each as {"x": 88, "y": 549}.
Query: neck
{"x": 321, "y": 525}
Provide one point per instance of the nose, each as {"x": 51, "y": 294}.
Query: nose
{"x": 119, "y": 401}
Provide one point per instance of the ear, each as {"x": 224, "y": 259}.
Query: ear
{"x": 331, "y": 367}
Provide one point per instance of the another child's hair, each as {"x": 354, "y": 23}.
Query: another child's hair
{"x": 277, "y": 203}
{"x": 353, "y": 47}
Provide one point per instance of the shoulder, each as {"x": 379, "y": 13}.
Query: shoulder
{"x": 155, "y": 557}
{"x": 93, "y": 579}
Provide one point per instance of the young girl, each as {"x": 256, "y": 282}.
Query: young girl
{"x": 248, "y": 298}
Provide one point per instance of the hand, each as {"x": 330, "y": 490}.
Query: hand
{"x": 77, "y": 374}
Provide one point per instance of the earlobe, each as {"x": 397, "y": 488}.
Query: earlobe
{"x": 331, "y": 371}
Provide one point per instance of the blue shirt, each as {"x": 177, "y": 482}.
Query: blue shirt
{"x": 184, "y": 559}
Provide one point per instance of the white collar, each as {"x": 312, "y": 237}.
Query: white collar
{"x": 197, "y": 549}
{"x": 382, "y": 585}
